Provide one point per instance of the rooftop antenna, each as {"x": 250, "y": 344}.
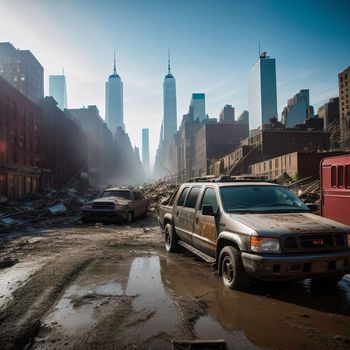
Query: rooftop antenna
{"x": 259, "y": 49}
{"x": 62, "y": 70}
{"x": 169, "y": 61}
{"x": 114, "y": 65}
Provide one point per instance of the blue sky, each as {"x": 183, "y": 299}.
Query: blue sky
{"x": 214, "y": 44}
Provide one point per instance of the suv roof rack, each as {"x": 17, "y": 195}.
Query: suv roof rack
{"x": 240, "y": 178}
{"x": 229, "y": 178}
{"x": 207, "y": 178}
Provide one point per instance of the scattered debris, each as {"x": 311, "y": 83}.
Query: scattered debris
{"x": 219, "y": 344}
{"x": 43, "y": 209}
{"x": 8, "y": 261}
{"x": 157, "y": 193}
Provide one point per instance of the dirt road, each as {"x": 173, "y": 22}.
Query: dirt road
{"x": 115, "y": 287}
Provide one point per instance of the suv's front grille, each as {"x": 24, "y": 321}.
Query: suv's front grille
{"x": 303, "y": 243}
{"x": 103, "y": 205}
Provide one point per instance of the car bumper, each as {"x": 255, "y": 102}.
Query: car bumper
{"x": 103, "y": 215}
{"x": 275, "y": 267}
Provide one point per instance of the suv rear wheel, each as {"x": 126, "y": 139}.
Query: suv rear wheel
{"x": 232, "y": 269}
{"x": 170, "y": 239}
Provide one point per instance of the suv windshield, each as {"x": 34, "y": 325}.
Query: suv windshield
{"x": 255, "y": 198}
{"x": 117, "y": 193}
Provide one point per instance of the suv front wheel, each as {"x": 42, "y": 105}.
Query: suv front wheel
{"x": 232, "y": 269}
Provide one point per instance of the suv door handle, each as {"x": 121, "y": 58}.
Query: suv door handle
{"x": 197, "y": 220}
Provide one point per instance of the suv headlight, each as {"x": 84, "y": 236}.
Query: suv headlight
{"x": 87, "y": 206}
{"x": 264, "y": 245}
{"x": 348, "y": 238}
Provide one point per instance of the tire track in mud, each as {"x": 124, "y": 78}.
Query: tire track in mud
{"x": 20, "y": 321}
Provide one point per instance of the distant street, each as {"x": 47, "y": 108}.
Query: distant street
{"x": 115, "y": 287}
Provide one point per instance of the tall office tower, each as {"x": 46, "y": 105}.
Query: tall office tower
{"x": 329, "y": 112}
{"x": 296, "y": 111}
{"x": 197, "y": 106}
{"x": 58, "y": 90}
{"x": 145, "y": 150}
{"x": 344, "y": 107}
{"x": 227, "y": 114}
{"x": 22, "y": 70}
{"x": 262, "y": 91}
{"x": 243, "y": 118}
{"x": 169, "y": 105}
{"x": 114, "y": 101}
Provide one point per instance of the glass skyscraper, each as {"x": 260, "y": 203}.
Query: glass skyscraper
{"x": 169, "y": 105}
{"x": 58, "y": 90}
{"x": 262, "y": 92}
{"x": 114, "y": 101}
{"x": 145, "y": 150}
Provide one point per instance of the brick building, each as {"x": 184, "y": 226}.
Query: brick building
{"x": 344, "y": 107}
{"x": 22, "y": 70}
{"x": 269, "y": 143}
{"x": 63, "y": 146}
{"x": 19, "y": 143}
{"x": 215, "y": 140}
{"x": 296, "y": 165}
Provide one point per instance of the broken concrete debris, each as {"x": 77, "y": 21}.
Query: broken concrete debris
{"x": 43, "y": 209}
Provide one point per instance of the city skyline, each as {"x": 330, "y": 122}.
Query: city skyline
{"x": 211, "y": 58}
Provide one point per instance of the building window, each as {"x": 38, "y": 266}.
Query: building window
{"x": 333, "y": 176}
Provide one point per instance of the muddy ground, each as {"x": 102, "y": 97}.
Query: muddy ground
{"x": 115, "y": 287}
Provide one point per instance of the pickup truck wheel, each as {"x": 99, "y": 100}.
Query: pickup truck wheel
{"x": 232, "y": 269}
{"x": 170, "y": 239}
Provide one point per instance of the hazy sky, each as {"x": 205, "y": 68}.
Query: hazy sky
{"x": 213, "y": 43}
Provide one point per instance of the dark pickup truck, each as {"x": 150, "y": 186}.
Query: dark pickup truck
{"x": 253, "y": 230}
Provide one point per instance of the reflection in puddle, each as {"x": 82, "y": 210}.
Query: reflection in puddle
{"x": 207, "y": 328}
{"x": 145, "y": 282}
{"x": 136, "y": 300}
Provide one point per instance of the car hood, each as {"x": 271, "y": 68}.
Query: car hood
{"x": 117, "y": 200}
{"x": 289, "y": 223}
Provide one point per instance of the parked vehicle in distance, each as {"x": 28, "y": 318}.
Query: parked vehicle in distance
{"x": 335, "y": 188}
{"x": 254, "y": 230}
{"x": 116, "y": 204}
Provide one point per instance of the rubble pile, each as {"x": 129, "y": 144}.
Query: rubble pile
{"x": 157, "y": 193}
{"x": 43, "y": 209}
{"x": 307, "y": 189}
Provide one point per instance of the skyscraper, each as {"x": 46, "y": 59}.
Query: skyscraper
{"x": 197, "y": 106}
{"x": 22, "y": 70}
{"x": 58, "y": 90}
{"x": 114, "y": 101}
{"x": 296, "y": 110}
{"x": 145, "y": 150}
{"x": 262, "y": 91}
{"x": 227, "y": 114}
{"x": 169, "y": 105}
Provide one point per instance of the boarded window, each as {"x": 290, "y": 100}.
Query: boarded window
{"x": 192, "y": 197}
{"x": 333, "y": 176}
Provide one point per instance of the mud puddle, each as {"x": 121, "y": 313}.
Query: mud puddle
{"x": 145, "y": 301}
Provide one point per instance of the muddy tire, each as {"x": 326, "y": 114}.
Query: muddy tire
{"x": 130, "y": 217}
{"x": 170, "y": 239}
{"x": 232, "y": 269}
{"x": 330, "y": 280}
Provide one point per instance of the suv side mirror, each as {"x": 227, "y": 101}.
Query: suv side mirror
{"x": 208, "y": 210}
